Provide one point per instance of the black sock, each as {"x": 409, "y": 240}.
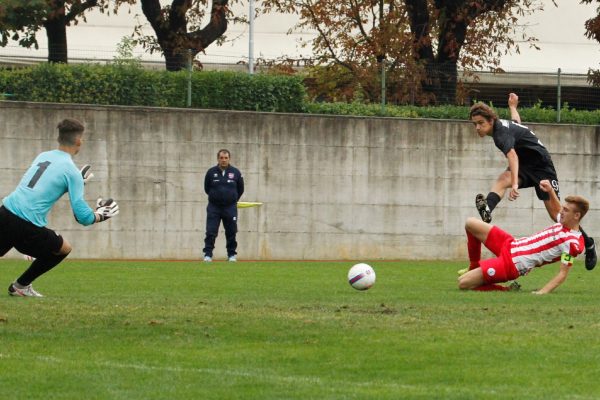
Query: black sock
{"x": 492, "y": 200}
{"x": 39, "y": 267}
{"x": 586, "y": 239}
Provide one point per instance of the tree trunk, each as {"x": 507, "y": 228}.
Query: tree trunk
{"x": 215, "y": 28}
{"x": 442, "y": 79}
{"x": 175, "y": 60}
{"x": 172, "y": 35}
{"x": 56, "y": 32}
{"x": 441, "y": 70}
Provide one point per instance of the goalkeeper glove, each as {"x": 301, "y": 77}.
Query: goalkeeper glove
{"x": 85, "y": 173}
{"x": 105, "y": 209}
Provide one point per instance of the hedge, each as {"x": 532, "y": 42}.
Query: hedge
{"x": 125, "y": 84}
{"x": 530, "y": 114}
{"x": 131, "y": 85}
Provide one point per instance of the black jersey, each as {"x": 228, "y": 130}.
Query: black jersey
{"x": 510, "y": 135}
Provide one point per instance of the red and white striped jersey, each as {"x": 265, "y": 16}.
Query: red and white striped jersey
{"x": 545, "y": 247}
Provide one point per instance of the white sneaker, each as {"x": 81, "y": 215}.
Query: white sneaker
{"x": 207, "y": 259}
{"x": 232, "y": 259}
{"x": 26, "y": 291}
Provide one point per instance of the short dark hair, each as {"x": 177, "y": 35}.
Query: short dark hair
{"x": 224, "y": 151}
{"x": 483, "y": 110}
{"x": 68, "y": 130}
{"x": 582, "y": 204}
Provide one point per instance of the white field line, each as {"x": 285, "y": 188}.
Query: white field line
{"x": 275, "y": 378}
{"x": 253, "y": 374}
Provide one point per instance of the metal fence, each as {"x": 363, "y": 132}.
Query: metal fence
{"x": 554, "y": 89}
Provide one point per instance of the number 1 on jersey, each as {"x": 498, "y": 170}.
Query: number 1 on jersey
{"x": 41, "y": 168}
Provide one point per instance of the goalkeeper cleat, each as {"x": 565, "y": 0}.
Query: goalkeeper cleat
{"x": 590, "y": 256}
{"x": 232, "y": 259}
{"x": 22, "y": 291}
{"x": 462, "y": 271}
{"x": 482, "y": 207}
{"x": 207, "y": 259}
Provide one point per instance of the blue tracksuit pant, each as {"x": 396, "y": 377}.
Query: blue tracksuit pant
{"x": 214, "y": 215}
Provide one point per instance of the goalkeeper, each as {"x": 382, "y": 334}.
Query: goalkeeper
{"x": 23, "y": 215}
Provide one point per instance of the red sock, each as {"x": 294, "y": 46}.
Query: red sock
{"x": 474, "y": 249}
{"x": 491, "y": 287}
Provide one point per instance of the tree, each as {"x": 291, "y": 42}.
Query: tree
{"x": 420, "y": 43}
{"x": 592, "y": 31}
{"x": 20, "y": 20}
{"x": 177, "y": 26}
{"x": 174, "y": 38}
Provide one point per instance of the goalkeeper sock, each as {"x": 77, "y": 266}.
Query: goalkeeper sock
{"x": 39, "y": 267}
{"x": 492, "y": 200}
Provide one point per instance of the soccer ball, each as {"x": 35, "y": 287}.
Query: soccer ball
{"x": 361, "y": 276}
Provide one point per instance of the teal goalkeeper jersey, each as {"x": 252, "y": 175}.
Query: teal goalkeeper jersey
{"x": 51, "y": 175}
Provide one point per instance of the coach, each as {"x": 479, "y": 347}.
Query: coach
{"x": 224, "y": 186}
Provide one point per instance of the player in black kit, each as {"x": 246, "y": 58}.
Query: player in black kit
{"x": 528, "y": 163}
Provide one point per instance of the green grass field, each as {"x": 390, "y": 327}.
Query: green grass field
{"x": 294, "y": 330}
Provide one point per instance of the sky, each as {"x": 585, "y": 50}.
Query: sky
{"x": 560, "y": 32}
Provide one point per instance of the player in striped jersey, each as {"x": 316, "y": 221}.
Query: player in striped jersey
{"x": 561, "y": 241}
{"x": 529, "y": 162}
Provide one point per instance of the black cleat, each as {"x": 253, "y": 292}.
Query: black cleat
{"x": 514, "y": 286}
{"x": 482, "y": 207}
{"x": 590, "y": 256}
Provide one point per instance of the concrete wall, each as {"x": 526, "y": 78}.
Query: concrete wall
{"x": 333, "y": 187}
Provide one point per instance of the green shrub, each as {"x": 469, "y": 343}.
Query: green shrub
{"x": 360, "y": 109}
{"x": 537, "y": 113}
{"x": 125, "y": 82}
{"x": 130, "y": 84}
{"x": 580, "y": 117}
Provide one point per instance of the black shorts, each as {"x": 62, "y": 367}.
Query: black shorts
{"x": 530, "y": 175}
{"x": 26, "y": 237}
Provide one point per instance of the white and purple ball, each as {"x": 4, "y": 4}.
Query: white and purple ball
{"x": 361, "y": 276}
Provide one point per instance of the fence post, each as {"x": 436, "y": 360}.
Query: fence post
{"x": 189, "y": 80}
{"x": 251, "y": 38}
{"x": 558, "y": 101}
{"x": 383, "y": 86}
